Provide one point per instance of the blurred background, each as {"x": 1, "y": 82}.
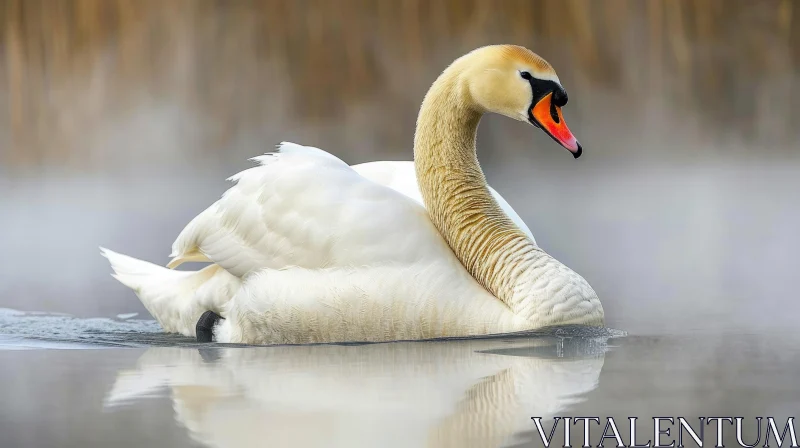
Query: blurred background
{"x": 121, "y": 120}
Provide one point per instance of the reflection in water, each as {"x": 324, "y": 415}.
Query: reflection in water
{"x": 449, "y": 393}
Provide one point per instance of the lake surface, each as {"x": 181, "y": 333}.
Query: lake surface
{"x": 121, "y": 382}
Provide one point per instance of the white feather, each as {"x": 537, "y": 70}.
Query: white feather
{"x": 176, "y": 299}
{"x": 401, "y": 177}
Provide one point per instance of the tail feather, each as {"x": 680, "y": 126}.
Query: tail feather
{"x": 194, "y": 255}
{"x": 175, "y": 298}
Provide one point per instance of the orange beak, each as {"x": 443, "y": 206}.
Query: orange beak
{"x": 548, "y": 117}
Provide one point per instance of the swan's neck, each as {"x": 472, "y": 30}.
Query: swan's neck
{"x": 492, "y": 248}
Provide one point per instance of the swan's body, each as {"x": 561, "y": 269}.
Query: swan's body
{"x": 308, "y": 249}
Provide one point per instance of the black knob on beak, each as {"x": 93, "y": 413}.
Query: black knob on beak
{"x": 560, "y": 97}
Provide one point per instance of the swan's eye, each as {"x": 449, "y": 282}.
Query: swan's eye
{"x": 526, "y": 75}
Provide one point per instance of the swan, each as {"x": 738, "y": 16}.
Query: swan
{"x": 306, "y": 249}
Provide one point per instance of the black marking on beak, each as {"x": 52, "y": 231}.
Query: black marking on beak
{"x": 554, "y": 113}
{"x": 578, "y": 153}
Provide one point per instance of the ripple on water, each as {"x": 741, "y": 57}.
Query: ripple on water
{"x": 30, "y": 330}
{"x": 48, "y": 330}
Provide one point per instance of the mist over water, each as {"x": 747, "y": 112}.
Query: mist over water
{"x": 668, "y": 246}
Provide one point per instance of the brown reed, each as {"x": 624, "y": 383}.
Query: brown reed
{"x": 66, "y": 63}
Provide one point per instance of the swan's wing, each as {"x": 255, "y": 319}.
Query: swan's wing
{"x": 304, "y": 207}
{"x": 401, "y": 177}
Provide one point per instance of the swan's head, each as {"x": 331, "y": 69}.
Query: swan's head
{"x": 513, "y": 81}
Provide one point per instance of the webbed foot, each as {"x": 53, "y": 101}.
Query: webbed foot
{"x": 205, "y": 326}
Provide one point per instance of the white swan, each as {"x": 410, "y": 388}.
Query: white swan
{"x": 308, "y": 249}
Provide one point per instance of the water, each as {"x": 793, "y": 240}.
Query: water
{"x": 124, "y": 383}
